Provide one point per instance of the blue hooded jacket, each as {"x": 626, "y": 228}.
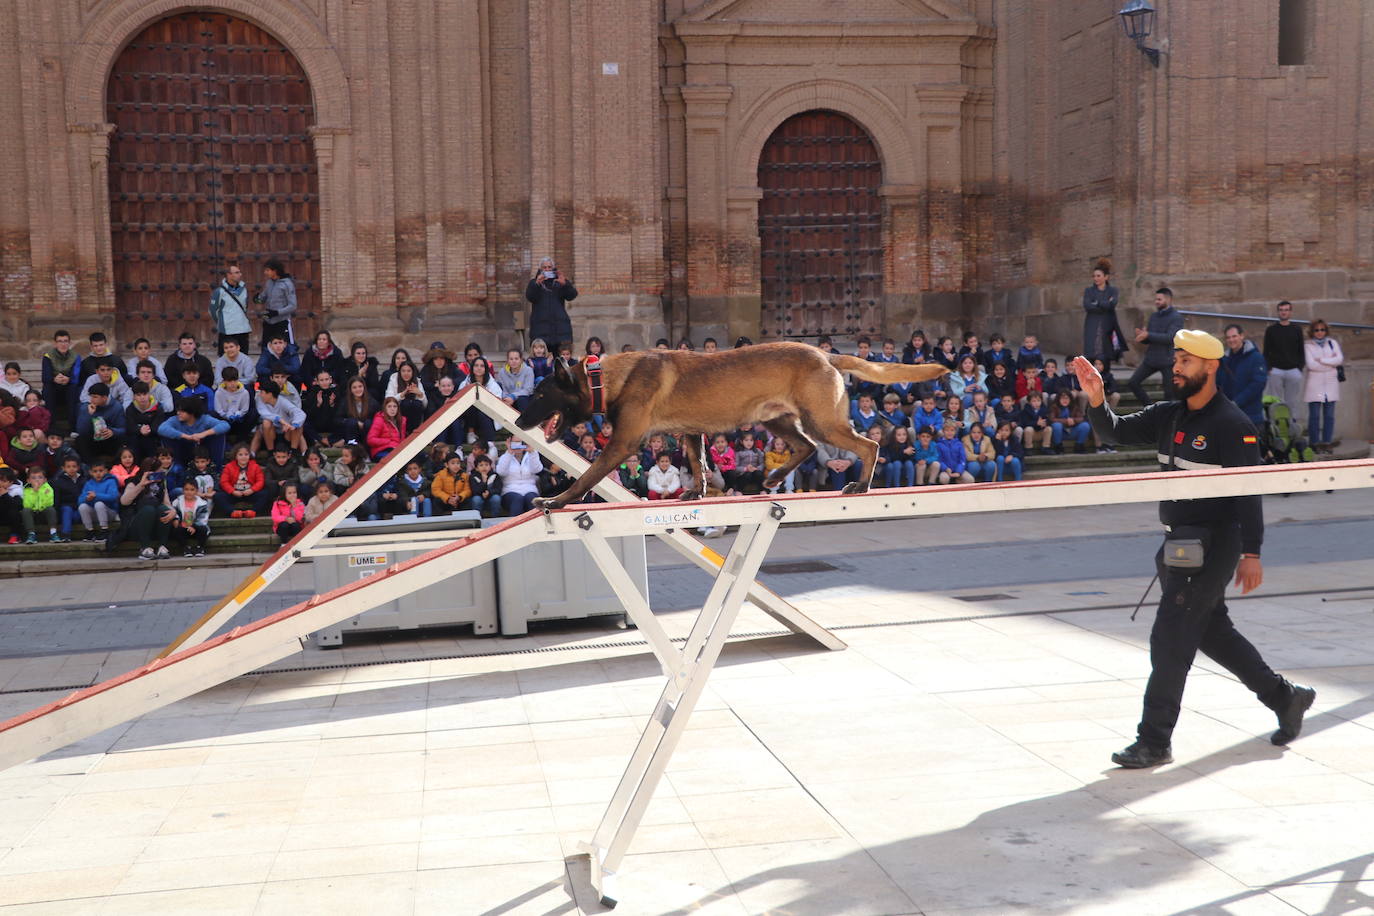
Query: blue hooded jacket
{"x": 1242, "y": 377}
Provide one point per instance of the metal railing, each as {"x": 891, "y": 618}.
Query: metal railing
{"x": 1357, "y": 328}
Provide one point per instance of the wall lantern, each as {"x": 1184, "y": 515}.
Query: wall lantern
{"x": 1138, "y": 19}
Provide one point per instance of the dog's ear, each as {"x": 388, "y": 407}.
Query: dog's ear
{"x": 562, "y": 375}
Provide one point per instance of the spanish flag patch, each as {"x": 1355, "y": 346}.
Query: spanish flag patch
{"x": 1248, "y": 440}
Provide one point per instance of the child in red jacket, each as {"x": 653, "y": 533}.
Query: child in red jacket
{"x": 241, "y": 493}
{"x": 387, "y": 430}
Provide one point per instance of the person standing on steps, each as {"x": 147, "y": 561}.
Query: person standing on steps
{"x": 229, "y": 309}
{"x": 1284, "y": 355}
{"x": 1207, "y": 542}
{"x": 278, "y": 300}
{"x": 1158, "y": 335}
{"x": 1102, "y": 338}
{"x": 1321, "y": 387}
{"x": 548, "y": 293}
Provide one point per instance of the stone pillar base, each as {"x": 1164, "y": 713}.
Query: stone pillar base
{"x": 636, "y": 319}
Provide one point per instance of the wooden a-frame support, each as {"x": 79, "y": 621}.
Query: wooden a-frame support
{"x": 312, "y": 540}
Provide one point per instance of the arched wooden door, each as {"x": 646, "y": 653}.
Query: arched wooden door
{"x": 820, "y": 229}
{"x": 210, "y": 161}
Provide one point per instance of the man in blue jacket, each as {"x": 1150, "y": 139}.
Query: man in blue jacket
{"x": 99, "y": 423}
{"x": 279, "y": 351}
{"x": 1244, "y": 375}
{"x": 191, "y": 426}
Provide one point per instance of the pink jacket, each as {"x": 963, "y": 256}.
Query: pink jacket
{"x": 383, "y": 435}
{"x": 282, "y": 511}
{"x": 725, "y": 461}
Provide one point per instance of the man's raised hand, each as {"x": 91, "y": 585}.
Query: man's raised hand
{"x": 1088, "y": 379}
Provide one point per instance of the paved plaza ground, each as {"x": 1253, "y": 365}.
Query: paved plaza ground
{"x": 954, "y": 759}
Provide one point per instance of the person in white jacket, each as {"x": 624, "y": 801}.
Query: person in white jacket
{"x": 1321, "y": 387}
{"x": 665, "y": 481}
{"x": 519, "y": 469}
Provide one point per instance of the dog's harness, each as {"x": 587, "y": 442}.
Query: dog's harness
{"x": 593, "y": 366}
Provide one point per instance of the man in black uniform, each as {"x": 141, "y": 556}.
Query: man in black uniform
{"x": 1207, "y": 541}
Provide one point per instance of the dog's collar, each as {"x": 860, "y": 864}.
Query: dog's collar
{"x": 593, "y": 366}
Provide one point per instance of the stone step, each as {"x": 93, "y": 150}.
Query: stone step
{"x": 1107, "y": 463}
{"x": 1039, "y": 472}
{"x": 225, "y": 543}
{"x": 79, "y": 565}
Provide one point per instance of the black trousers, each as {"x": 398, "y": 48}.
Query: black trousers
{"x": 1144, "y": 371}
{"x": 1192, "y": 615}
{"x": 198, "y": 536}
{"x": 272, "y": 329}
{"x": 241, "y": 338}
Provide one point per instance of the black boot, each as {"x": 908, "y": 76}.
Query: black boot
{"x": 1141, "y": 755}
{"x": 1292, "y": 704}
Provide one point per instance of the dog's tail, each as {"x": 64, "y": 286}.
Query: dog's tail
{"x": 887, "y": 373}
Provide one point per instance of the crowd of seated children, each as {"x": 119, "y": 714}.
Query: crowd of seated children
{"x": 150, "y": 448}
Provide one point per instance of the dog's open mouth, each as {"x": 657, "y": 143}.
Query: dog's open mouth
{"x": 551, "y": 426}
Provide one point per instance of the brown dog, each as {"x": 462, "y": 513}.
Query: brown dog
{"x": 795, "y": 390}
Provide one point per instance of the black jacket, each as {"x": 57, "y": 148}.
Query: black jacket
{"x": 1217, "y": 436}
{"x": 1100, "y": 323}
{"x": 1161, "y": 327}
{"x": 1283, "y": 347}
{"x": 549, "y": 315}
{"x": 368, "y": 372}
{"x": 176, "y": 364}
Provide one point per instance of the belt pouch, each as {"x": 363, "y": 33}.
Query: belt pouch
{"x": 1185, "y": 546}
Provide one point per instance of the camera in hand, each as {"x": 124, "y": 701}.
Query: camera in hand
{"x": 550, "y": 274}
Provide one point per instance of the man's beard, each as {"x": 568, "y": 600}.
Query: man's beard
{"x": 1185, "y": 388}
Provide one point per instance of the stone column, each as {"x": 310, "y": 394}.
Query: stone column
{"x": 95, "y": 281}
{"x": 942, "y": 121}
{"x": 904, "y": 241}
{"x": 705, "y": 108}
{"x": 336, "y": 228}
{"x": 743, "y": 284}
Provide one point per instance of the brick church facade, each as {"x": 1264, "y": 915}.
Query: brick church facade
{"x": 771, "y": 168}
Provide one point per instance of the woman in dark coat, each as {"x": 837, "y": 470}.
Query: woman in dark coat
{"x": 438, "y": 363}
{"x": 361, "y": 364}
{"x": 323, "y": 355}
{"x": 548, "y": 291}
{"x": 1102, "y": 338}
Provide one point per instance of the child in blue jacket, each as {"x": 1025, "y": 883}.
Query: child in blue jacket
{"x": 99, "y": 506}
{"x": 953, "y": 459}
{"x": 1011, "y": 454}
{"x": 927, "y": 416}
{"x": 1035, "y": 421}
{"x": 927, "y": 458}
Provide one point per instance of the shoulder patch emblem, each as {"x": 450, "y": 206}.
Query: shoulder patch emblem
{"x": 1249, "y": 440}
{"x": 1199, "y": 442}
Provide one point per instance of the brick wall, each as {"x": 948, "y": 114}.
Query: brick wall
{"x": 459, "y": 141}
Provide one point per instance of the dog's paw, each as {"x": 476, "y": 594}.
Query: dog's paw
{"x": 855, "y": 487}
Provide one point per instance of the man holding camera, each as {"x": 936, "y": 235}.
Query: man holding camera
{"x": 278, "y": 301}
{"x": 1206, "y": 542}
{"x": 548, "y": 291}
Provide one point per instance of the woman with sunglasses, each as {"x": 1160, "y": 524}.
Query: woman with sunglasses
{"x": 1321, "y": 387}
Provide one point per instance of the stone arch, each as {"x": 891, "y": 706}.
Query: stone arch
{"x": 119, "y": 21}
{"x": 873, "y": 113}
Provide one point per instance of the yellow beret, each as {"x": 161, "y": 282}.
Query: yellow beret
{"x": 1199, "y": 343}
